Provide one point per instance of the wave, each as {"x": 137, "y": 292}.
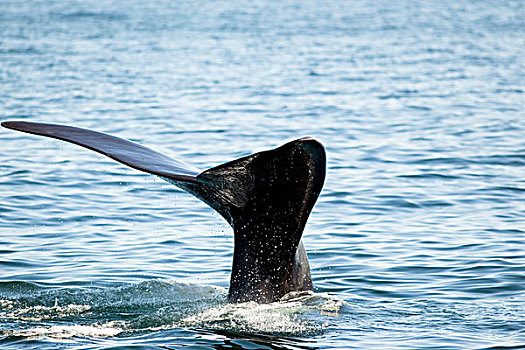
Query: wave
{"x": 35, "y": 312}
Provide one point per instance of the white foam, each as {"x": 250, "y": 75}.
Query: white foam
{"x": 40, "y": 312}
{"x": 282, "y": 317}
{"x": 6, "y": 304}
{"x": 68, "y": 331}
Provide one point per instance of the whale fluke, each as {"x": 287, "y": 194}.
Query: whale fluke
{"x": 123, "y": 151}
{"x": 266, "y": 197}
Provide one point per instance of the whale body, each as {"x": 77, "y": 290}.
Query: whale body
{"x": 266, "y": 198}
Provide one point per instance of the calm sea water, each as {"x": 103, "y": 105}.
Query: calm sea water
{"x": 417, "y": 241}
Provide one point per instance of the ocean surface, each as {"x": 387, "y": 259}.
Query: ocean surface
{"x": 418, "y": 237}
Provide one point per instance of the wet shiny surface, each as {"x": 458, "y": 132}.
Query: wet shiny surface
{"x": 419, "y": 229}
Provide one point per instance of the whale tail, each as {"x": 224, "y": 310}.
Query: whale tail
{"x": 266, "y": 197}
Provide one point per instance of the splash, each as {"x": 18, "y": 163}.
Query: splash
{"x": 157, "y": 305}
{"x": 287, "y": 317}
{"x": 68, "y": 331}
{"x": 13, "y": 310}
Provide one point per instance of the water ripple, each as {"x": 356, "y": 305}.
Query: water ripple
{"x": 419, "y": 227}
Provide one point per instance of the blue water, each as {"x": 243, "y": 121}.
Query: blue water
{"x": 416, "y": 242}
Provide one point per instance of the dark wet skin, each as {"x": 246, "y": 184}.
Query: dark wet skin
{"x": 266, "y": 197}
